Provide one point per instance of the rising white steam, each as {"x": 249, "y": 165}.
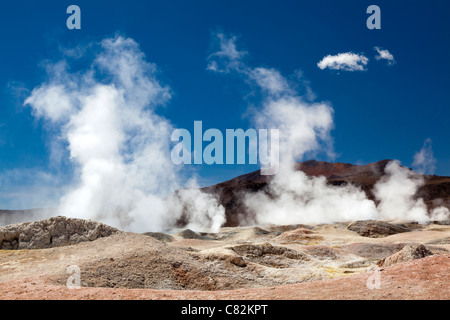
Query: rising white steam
{"x": 440, "y": 213}
{"x": 291, "y": 196}
{"x": 304, "y": 127}
{"x": 424, "y": 161}
{"x": 118, "y": 143}
{"x": 396, "y": 191}
{"x": 196, "y": 208}
{"x": 120, "y": 148}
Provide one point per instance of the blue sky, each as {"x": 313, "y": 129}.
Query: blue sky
{"x": 384, "y": 112}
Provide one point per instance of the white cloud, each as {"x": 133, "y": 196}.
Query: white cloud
{"x": 344, "y": 61}
{"x": 227, "y": 58}
{"x": 384, "y": 54}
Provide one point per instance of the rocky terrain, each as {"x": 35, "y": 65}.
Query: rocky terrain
{"x": 54, "y": 232}
{"x": 267, "y": 262}
{"x": 408, "y": 260}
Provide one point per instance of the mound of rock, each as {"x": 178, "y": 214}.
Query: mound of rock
{"x": 268, "y": 255}
{"x": 260, "y": 232}
{"x": 290, "y": 227}
{"x": 238, "y": 261}
{"x": 189, "y": 234}
{"x": 299, "y": 235}
{"x": 408, "y": 253}
{"x": 376, "y": 229}
{"x": 411, "y": 226}
{"x": 159, "y": 236}
{"x": 322, "y": 252}
{"x": 53, "y": 232}
{"x": 131, "y": 260}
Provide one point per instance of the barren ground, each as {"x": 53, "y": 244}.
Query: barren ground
{"x": 270, "y": 262}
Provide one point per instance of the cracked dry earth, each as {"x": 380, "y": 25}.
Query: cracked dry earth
{"x": 267, "y": 262}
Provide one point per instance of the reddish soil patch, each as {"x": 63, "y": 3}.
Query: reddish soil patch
{"x": 427, "y": 278}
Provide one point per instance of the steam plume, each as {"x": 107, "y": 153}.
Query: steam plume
{"x": 424, "y": 161}
{"x": 396, "y": 191}
{"x": 120, "y": 148}
{"x": 118, "y": 143}
{"x": 293, "y": 197}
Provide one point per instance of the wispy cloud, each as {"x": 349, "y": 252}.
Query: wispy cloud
{"x": 227, "y": 58}
{"x": 347, "y": 61}
{"x": 424, "y": 161}
{"x": 384, "y": 54}
{"x": 270, "y": 80}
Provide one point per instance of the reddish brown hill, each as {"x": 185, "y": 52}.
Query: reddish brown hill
{"x": 435, "y": 192}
